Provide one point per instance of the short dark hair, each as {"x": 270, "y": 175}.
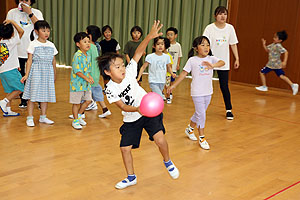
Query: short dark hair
{"x": 6, "y": 31}
{"x": 106, "y": 27}
{"x": 167, "y": 43}
{"x": 94, "y": 31}
{"x": 105, "y": 61}
{"x": 136, "y": 28}
{"x": 282, "y": 35}
{"x": 32, "y": 2}
{"x": 156, "y": 40}
{"x": 172, "y": 29}
{"x": 41, "y": 24}
{"x": 220, "y": 9}
{"x": 80, "y": 36}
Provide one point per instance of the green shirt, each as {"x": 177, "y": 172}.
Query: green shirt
{"x": 95, "y": 72}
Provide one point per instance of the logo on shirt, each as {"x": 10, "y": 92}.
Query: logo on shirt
{"x": 4, "y": 53}
{"x": 203, "y": 68}
{"x": 128, "y": 99}
{"x": 221, "y": 41}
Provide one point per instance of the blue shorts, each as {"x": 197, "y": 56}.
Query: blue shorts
{"x": 157, "y": 88}
{"x": 11, "y": 81}
{"x": 97, "y": 93}
{"x": 173, "y": 79}
{"x": 278, "y": 72}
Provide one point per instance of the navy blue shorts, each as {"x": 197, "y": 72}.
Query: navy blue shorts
{"x": 132, "y": 131}
{"x": 278, "y": 72}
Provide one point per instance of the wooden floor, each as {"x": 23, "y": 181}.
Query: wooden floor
{"x": 252, "y": 157}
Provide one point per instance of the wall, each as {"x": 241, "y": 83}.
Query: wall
{"x": 5, "y": 6}
{"x": 258, "y": 19}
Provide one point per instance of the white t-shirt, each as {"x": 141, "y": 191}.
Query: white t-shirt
{"x": 23, "y": 20}
{"x": 176, "y": 52}
{"x": 36, "y": 43}
{"x": 9, "y": 53}
{"x": 129, "y": 91}
{"x": 157, "y": 67}
{"x": 220, "y": 39}
{"x": 201, "y": 76}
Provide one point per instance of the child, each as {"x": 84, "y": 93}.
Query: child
{"x": 168, "y": 77}
{"x": 81, "y": 80}
{"x": 136, "y": 33}
{"x": 201, "y": 67}
{"x": 125, "y": 92}
{"x": 108, "y": 44}
{"x": 275, "y": 50}
{"x": 175, "y": 51}
{"x": 40, "y": 73}
{"x": 97, "y": 94}
{"x": 9, "y": 75}
{"x": 159, "y": 64}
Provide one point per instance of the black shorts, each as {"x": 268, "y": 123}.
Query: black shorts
{"x": 132, "y": 131}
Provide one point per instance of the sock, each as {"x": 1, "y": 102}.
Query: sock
{"x": 130, "y": 177}
{"x": 202, "y": 136}
{"x": 104, "y": 110}
{"x": 8, "y": 109}
{"x": 29, "y": 117}
{"x": 228, "y": 111}
{"x": 42, "y": 116}
{"x": 168, "y": 163}
{"x": 191, "y": 128}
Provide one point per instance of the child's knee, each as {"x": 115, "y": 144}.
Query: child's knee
{"x": 160, "y": 139}
{"x": 125, "y": 150}
{"x": 282, "y": 76}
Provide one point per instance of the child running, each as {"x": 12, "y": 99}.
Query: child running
{"x": 124, "y": 90}
{"x": 275, "y": 64}
{"x": 201, "y": 66}
{"x": 159, "y": 63}
{"x": 40, "y": 73}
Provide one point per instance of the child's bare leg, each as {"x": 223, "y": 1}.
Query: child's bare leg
{"x": 83, "y": 106}
{"x": 44, "y": 106}
{"x": 286, "y": 79}
{"x": 263, "y": 79}
{"x": 201, "y": 131}
{"x": 192, "y": 124}
{"x": 12, "y": 96}
{"x": 75, "y": 109}
{"x": 30, "y": 106}
{"x": 127, "y": 159}
{"x": 102, "y": 104}
{"x": 162, "y": 144}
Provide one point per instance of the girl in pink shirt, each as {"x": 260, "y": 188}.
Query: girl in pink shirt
{"x": 201, "y": 66}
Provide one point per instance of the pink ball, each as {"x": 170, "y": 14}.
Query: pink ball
{"x": 151, "y": 105}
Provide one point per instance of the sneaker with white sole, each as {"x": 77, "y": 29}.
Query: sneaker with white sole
{"x": 30, "y": 122}
{"x": 125, "y": 183}
{"x": 11, "y": 114}
{"x": 92, "y": 106}
{"x": 190, "y": 134}
{"x": 46, "y": 121}
{"x": 3, "y": 104}
{"x": 262, "y": 88}
{"x": 169, "y": 100}
{"x": 173, "y": 171}
{"x": 107, "y": 113}
{"x": 171, "y": 96}
{"x": 72, "y": 117}
{"x": 81, "y": 121}
{"x": 295, "y": 88}
{"x": 203, "y": 143}
{"x": 229, "y": 115}
{"x": 76, "y": 124}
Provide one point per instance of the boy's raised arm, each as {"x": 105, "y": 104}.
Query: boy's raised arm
{"x": 153, "y": 34}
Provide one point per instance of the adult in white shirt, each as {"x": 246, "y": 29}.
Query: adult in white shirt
{"x": 221, "y": 36}
{"x": 25, "y": 17}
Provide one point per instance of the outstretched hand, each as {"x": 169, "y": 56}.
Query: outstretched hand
{"x": 170, "y": 89}
{"x": 154, "y": 32}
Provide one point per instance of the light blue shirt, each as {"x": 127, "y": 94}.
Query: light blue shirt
{"x": 157, "y": 67}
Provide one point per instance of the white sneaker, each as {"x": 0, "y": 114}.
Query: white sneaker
{"x": 72, "y": 117}
{"x": 174, "y": 173}
{"x": 171, "y": 96}
{"x": 262, "y": 88}
{"x": 107, "y": 113}
{"x": 169, "y": 101}
{"x": 46, "y": 121}
{"x": 190, "y": 134}
{"x": 125, "y": 183}
{"x": 76, "y": 124}
{"x": 11, "y": 114}
{"x": 92, "y": 106}
{"x": 81, "y": 122}
{"x": 203, "y": 143}
{"x": 30, "y": 122}
{"x": 295, "y": 88}
{"x": 3, "y": 106}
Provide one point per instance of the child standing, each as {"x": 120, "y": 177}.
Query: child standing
{"x": 159, "y": 64}
{"x": 136, "y": 33}
{"x": 108, "y": 44}
{"x": 125, "y": 92}
{"x": 175, "y": 51}
{"x": 9, "y": 75}
{"x": 201, "y": 66}
{"x": 40, "y": 73}
{"x": 81, "y": 80}
{"x": 97, "y": 93}
{"x": 168, "y": 77}
{"x": 275, "y": 50}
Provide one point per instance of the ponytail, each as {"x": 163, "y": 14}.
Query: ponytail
{"x": 191, "y": 53}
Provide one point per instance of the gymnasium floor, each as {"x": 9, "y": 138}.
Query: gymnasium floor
{"x": 254, "y": 156}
